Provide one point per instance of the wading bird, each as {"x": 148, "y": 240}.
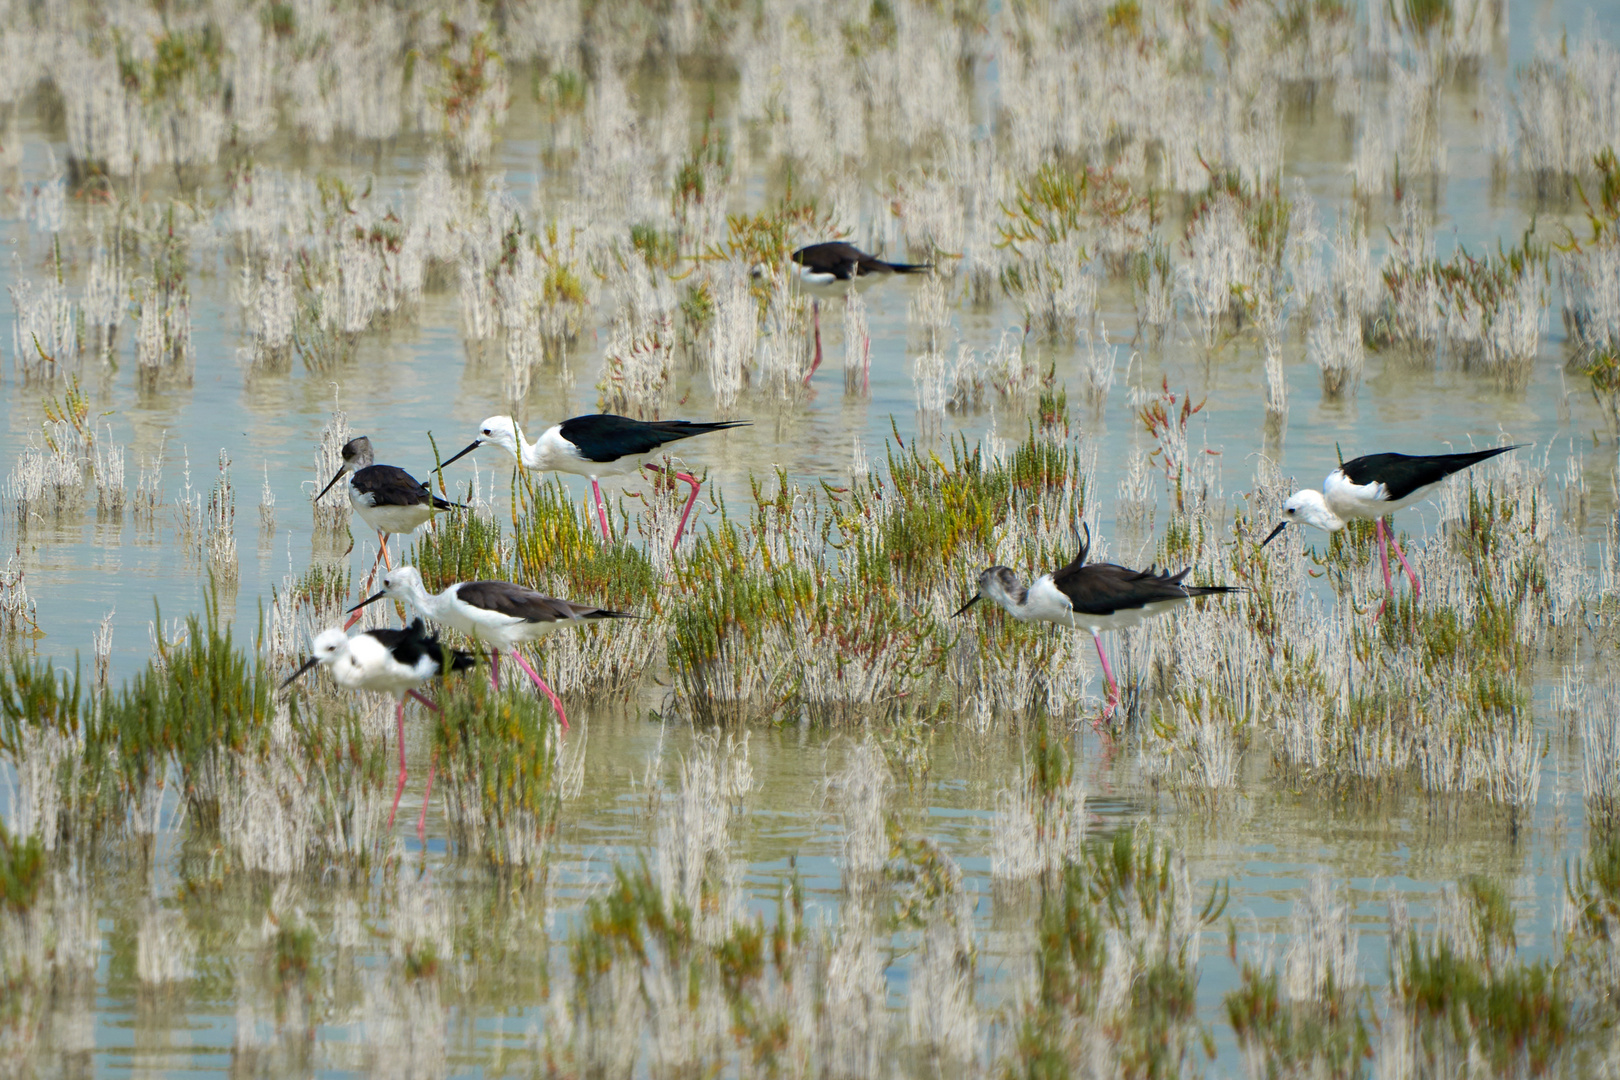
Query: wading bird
{"x": 1370, "y": 489}
{"x": 1098, "y": 597}
{"x": 834, "y": 263}
{"x": 597, "y": 445}
{"x": 496, "y": 613}
{"x": 387, "y": 498}
{"x": 835, "y": 260}
{"x": 393, "y": 662}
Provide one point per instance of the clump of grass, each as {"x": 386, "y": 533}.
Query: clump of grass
{"x": 556, "y": 539}
{"x": 498, "y": 752}
{"x": 196, "y": 702}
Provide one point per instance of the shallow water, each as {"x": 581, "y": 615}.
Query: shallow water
{"x": 415, "y": 379}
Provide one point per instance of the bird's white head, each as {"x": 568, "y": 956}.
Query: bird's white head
{"x": 1306, "y": 507}
{"x": 327, "y": 647}
{"x": 403, "y": 582}
{"x": 328, "y": 644}
{"x": 500, "y": 430}
{"x": 503, "y": 432}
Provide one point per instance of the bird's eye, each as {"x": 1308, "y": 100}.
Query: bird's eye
{"x": 1289, "y": 511}
{"x": 487, "y": 431}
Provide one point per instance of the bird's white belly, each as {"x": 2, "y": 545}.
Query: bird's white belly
{"x": 1366, "y": 502}
{"x": 393, "y": 519}
{"x": 1129, "y": 617}
{"x": 492, "y": 627}
{"x": 1047, "y": 604}
{"x": 553, "y": 453}
{"x": 815, "y": 278}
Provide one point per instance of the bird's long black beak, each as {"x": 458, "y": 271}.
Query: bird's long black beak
{"x": 363, "y": 603}
{"x": 328, "y": 487}
{"x": 476, "y": 443}
{"x": 967, "y": 605}
{"x": 311, "y": 662}
{"x": 1281, "y": 525}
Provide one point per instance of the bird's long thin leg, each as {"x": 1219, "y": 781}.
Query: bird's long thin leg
{"x": 601, "y": 508}
{"x": 556, "y": 702}
{"x": 365, "y": 590}
{"x": 1113, "y": 687}
{"x": 815, "y": 316}
{"x": 399, "y": 721}
{"x": 1417, "y": 586}
{"x": 421, "y": 820}
{"x": 1383, "y": 558}
{"x": 691, "y": 501}
{"x": 495, "y": 669}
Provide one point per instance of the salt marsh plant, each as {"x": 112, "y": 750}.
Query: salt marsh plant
{"x": 498, "y": 754}
{"x": 680, "y": 151}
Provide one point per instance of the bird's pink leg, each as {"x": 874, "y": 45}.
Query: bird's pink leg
{"x": 1417, "y": 586}
{"x": 1383, "y": 558}
{"x": 399, "y": 720}
{"x": 815, "y": 315}
{"x": 382, "y": 557}
{"x": 691, "y": 501}
{"x": 601, "y": 508}
{"x": 495, "y": 669}
{"x": 556, "y": 702}
{"x": 1113, "y": 687}
{"x": 421, "y": 822}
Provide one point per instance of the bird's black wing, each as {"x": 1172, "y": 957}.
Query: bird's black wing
{"x": 389, "y": 485}
{"x": 1104, "y": 588}
{"x": 1402, "y": 474}
{"x": 410, "y": 643}
{"x": 604, "y": 437}
{"x": 521, "y": 602}
{"x": 834, "y": 257}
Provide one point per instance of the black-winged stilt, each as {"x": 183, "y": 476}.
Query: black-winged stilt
{"x": 497, "y": 613}
{"x": 387, "y": 498}
{"x": 1098, "y": 597}
{"x": 835, "y": 260}
{"x": 1370, "y": 489}
{"x": 598, "y": 445}
{"x": 391, "y": 662}
{"x": 836, "y": 263}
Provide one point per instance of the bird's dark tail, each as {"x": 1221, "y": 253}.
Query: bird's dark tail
{"x": 1459, "y": 462}
{"x": 603, "y": 613}
{"x": 909, "y": 268}
{"x": 685, "y": 429}
{"x": 1212, "y": 590}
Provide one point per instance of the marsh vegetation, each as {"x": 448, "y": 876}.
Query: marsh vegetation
{"x": 1184, "y": 258}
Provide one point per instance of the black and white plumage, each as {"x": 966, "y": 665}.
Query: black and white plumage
{"x": 597, "y": 445}
{"x": 387, "y": 498}
{"x": 1371, "y": 488}
{"x": 498, "y": 613}
{"x": 836, "y": 260}
{"x": 1094, "y": 597}
{"x": 393, "y": 662}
